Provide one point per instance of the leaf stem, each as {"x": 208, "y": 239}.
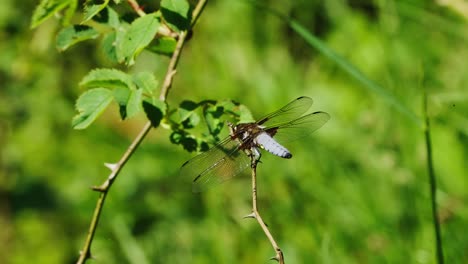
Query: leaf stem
{"x": 256, "y": 214}
{"x": 432, "y": 184}
{"x": 104, "y": 188}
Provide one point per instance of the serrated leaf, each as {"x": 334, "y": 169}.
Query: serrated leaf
{"x": 91, "y": 10}
{"x": 164, "y": 45}
{"x": 140, "y": 33}
{"x": 107, "y": 78}
{"x": 134, "y": 103}
{"x": 108, "y": 47}
{"x": 176, "y": 13}
{"x": 90, "y": 105}
{"x": 71, "y": 35}
{"x": 155, "y": 111}
{"x": 46, "y": 9}
{"x": 146, "y": 82}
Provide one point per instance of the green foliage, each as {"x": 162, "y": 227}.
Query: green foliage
{"x": 139, "y": 35}
{"x": 163, "y": 45}
{"x": 214, "y": 114}
{"x": 176, "y": 13}
{"x": 91, "y": 10}
{"x": 129, "y": 91}
{"x": 108, "y": 78}
{"x": 71, "y": 35}
{"x": 48, "y": 8}
{"x": 90, "y": 105}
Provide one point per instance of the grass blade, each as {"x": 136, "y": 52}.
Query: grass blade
{"x": 353, "y": 71}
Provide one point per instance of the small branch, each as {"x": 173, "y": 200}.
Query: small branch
{"x": 171, "y": 70}
{"x": 135, "y": 6}
{"x": 255, "y": 213}
{"x": 104, "y": 188}
{"x": 433, "y": 185}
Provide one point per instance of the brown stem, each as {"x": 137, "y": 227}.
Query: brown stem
{"x": 104, "y": 188}
{"x": 135, "y": 6}
{"x": 256, "y": 214}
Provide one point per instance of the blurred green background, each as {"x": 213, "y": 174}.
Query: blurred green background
{"x": 356, "y": 191}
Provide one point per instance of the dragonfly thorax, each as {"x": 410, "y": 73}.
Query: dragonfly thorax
{"x": 252, "y": 136}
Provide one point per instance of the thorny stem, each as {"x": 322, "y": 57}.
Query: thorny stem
{"x": 256, "y": 214}
{"x": 104, "y": 188}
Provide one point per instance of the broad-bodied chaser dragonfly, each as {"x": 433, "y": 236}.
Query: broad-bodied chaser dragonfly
{"x": 229, "y": 157}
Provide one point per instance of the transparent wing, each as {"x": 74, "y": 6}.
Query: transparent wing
{"x": 218, "y": 164}
{"x": 299, "y": 127}
{"x": 289, "y": 112}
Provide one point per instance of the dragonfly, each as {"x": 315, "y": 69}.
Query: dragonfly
{"x": 233, "y": 154}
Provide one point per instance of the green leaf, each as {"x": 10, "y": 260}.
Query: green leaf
{"x": 176, "y": 13}
{"x": 113, "y": 18}
{"x": 213, "y": 120}
{"x": 91, "y": 10}
{"x": 108, "y": 46}
{"x": 240, "y": 111}
{"x": 90, "y": 105}
{"x": 121, "y": 96}
{"x": 107, "y": 78}
{"x": 71, "y": 35}
{"x": 245, "y": 116}
{"x": 134, "y": 103}
{"x": 155, "y": 111}
{"x": 146, "y": 82}
{"x": 188, "y": 142}
{"x": 164, "y": 45}
{"x": 140, "y": 33}
{"x": 353, "y": 71}
{"x": 48, "y": 8}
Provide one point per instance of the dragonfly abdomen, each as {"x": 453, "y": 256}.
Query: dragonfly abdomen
{"x": 270, "y": 145}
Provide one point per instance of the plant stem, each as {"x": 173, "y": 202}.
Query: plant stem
{"x": 256, "y": 214}
{"x": 135, "y": 6}
{"x": 432, "y": 185}
{"x": 104, "y": 188}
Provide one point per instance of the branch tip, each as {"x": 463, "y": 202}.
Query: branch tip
{"x": 275, "y": 258}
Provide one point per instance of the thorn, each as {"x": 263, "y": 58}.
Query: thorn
{"x": 97, "y": 188}
{"x": 251, "y": 215}
{"x": 111, "y": 166}
{"x": 275, "y": 258}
